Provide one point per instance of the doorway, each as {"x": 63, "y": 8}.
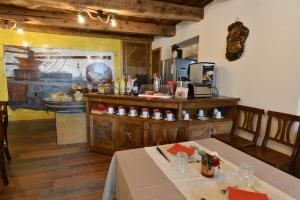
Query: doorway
{"x": 156, "y": 59}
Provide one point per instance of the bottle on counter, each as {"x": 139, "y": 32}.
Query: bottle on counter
{"x": 135, "y": 89}
{"x": 129, "y": 85}
{"x": 116, "y": 87}
{"x": 122, "y": 85}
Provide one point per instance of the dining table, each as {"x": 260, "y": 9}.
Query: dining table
{"x": 144, "y": 173}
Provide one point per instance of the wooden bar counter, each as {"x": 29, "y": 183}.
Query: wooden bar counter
{"x": 109, "y": 133}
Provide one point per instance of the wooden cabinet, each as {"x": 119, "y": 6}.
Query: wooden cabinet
{"x": 161, "y": 132}
{"x": 136, "y": 57}
{"x": 129, "y": 133}
{"x": 109, "y": 133}
{"x": 102, "y": 133}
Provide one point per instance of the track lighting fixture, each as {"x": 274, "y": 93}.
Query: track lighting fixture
{"x": 97, "y": 15}
{"x": 10, "y": 25}
{"x": 80, "y": 18}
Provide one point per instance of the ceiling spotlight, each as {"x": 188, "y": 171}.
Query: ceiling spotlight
{"x": 20, "y": 31}
{"x": 113, "y": 21}
{"x": 80, "y": 18}
{"x": 25, "y": 44}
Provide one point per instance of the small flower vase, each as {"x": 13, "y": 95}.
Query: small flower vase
{"x": 207, "y": 172}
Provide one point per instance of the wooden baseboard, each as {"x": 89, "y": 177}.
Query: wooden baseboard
{"x": 29, "y": 126}
{"x": 32, "y": 121}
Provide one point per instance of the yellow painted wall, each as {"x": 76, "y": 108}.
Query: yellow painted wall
{"x": 8, "y": 37}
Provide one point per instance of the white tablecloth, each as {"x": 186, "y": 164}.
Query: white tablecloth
{"x": 194, "y": 186}
{"x": 134, "y": 175}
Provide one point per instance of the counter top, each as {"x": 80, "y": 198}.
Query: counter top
{"x": 170, "y": 100}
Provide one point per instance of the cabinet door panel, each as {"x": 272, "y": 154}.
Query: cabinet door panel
{"x": 220, "y": 127}
{"x": 159, "y": 133}
{"x": 198, "y": 130}
{"x": 102, "y": 132}
{"x": 129, "y": 134}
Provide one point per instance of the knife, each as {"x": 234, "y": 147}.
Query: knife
{"x": 162, "y": 153}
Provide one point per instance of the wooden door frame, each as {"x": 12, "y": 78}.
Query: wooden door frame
{"x": 159, "y": 67}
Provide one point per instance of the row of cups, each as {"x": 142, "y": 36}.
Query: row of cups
{"x": 133, "y": 112}
{"x": 202, "y": 116}
{"x": 215, "y": 114}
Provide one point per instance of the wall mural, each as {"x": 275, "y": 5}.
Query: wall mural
{"x": 33, "y": 73}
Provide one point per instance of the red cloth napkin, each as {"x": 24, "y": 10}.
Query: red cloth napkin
{"x": 236, "y": 194}
{"x": 180, "y": 148}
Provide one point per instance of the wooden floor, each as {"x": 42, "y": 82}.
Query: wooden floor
{"x": 40, "y": 169}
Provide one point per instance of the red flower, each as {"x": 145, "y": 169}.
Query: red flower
{"x": 215, "y": 161}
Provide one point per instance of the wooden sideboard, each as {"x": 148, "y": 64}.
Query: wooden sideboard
{"x": 108, "y": 133}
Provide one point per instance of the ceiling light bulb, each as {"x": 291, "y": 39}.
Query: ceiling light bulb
{"x": 81, "y": 19}
{"x": 20, "y": 31}
{"x": 25, "y": 44}
{"x": 113, "y": 22}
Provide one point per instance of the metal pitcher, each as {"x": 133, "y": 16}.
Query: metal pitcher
{"x": 156, "y": 82}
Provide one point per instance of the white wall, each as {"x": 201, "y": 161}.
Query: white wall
{"x": 268, "y": 73}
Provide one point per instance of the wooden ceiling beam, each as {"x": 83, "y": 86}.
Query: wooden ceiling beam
{"x": 58, "y": 19}
{"x": 135, "y": 8}
{"x": 86, "y": 33}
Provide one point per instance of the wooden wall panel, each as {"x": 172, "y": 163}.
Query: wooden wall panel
{"x": 136, "y": 57}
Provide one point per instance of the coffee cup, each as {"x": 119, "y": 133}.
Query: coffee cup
{"x": 201, "y": 113}
{"x": 168, "y": 111}
{"x": 110, "y": 110}
{"x": 121, "y": 110}
{"x": 186, "y": 116}
{"x": 170, "y": 116}
{"x": 215, "y": 111}
{"x": 157, "y": 115}
{"x": 156, "y": 110}
{"x": 145, "y": 113}
{"x": 133, "y": 111}
{"x": 218, "y": 115}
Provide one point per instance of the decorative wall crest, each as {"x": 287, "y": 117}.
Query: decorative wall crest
{"x": 237, "y": 35}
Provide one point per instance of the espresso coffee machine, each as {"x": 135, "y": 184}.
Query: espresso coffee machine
{"x": 175, "y": 69}
{"x": 202, "y": 75}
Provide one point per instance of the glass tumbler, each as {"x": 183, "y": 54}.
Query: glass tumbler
{"x": 181, "y": 161}
{"x": 246, "y": 173}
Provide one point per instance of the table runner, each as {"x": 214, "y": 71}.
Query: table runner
{"x": 194, "y": 186}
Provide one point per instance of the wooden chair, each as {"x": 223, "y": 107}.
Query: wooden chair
{"x": 282, "y": 136}
{"x": 2, "y": 157}
{"x": 3, "y": 107}
{"x": 250, "y": 123}
{"x": 158, "y": 133}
